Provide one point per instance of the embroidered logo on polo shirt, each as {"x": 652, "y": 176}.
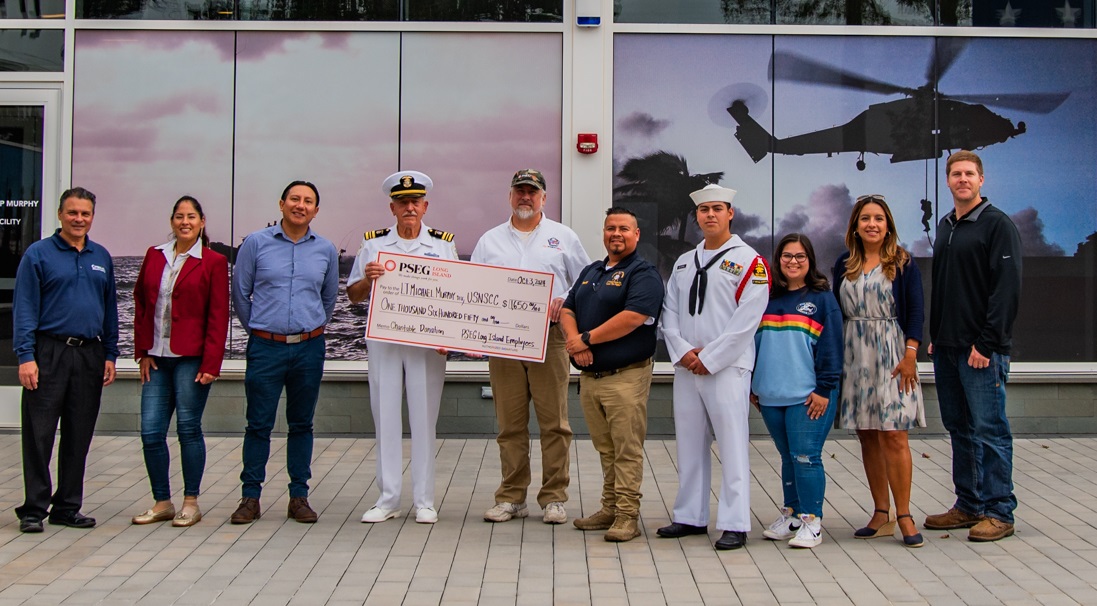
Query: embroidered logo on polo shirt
{"x": 806, "y": 308}
{"x": 731, "y": 267}
{"x": 615, "y": 279}
{"x": 98, "y": 268}
{"x": 553, "y": 243}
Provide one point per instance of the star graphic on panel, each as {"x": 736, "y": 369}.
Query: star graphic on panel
{"x": 1067, "y": 14}
{"x": 1008, "y": 15}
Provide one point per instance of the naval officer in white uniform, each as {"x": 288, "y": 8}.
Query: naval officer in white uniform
{"x": 715, "y": 299}
{"x": 394, "y": 368}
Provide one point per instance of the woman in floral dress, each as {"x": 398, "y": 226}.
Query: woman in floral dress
{"x": 879, "y": 289}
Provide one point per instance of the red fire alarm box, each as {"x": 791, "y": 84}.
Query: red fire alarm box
{"x": 587, "y": 143}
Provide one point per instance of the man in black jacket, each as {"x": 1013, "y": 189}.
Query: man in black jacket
{"x": 976, "y": 293}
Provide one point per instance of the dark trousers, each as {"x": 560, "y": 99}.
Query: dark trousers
{"x": 271, "y": 366}
{"x": 70, "y": 383}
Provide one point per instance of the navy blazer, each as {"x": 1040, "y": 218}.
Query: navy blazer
{"x": 910, "y": 309}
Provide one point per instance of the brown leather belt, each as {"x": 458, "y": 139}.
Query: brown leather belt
{"x": 609, "y": 373}
{"x": 305, "y": 336}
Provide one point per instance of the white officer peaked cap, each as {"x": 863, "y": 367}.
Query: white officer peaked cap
{"x": 406, "y": 183}
{"x": 713, "y": 193}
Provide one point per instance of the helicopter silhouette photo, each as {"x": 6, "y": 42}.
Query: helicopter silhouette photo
{"x": 924, "y": 124}
{"x": 900, "y": 104}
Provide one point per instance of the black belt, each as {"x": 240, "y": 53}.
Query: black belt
{"x": 609, "y": 373}
{"x": 70, "y": 341}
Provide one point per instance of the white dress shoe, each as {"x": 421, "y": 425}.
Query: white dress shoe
{"x": 377, "y": 514}
{"x": 426, "y": 515}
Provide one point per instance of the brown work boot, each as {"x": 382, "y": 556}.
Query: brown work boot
{"x": 990, "y": 529}
{"x": 623, "y": 529}
{"x": 953, "y": 518}
{"x": 247, "y": 512}
{"x": 300, "y": 511}
{"x": 601, "y": 520}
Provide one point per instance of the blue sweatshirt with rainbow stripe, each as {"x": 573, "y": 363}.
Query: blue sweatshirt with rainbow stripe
{"x": 799, "y": 348}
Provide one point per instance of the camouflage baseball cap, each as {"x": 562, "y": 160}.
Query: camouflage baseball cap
{"x": 528, "y": 176}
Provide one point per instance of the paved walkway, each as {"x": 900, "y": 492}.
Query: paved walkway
{"x": 463, "y": 560}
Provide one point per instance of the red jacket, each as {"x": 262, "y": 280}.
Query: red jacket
{"x": 199, "y": 307}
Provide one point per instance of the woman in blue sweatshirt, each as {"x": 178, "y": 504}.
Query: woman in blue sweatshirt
{"x": 799, "y": 362}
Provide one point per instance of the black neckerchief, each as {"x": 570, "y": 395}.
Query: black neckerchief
{"x": 700, "y": 280}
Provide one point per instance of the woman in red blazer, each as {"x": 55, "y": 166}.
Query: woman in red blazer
{"x": 181, "y": 319}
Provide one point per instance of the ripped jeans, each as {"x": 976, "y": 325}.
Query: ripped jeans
{"x": 800, "y": 442}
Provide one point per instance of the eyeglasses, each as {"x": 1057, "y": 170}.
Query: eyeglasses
{"x": 871, "y": 198}
{"x": 787, "y": 258}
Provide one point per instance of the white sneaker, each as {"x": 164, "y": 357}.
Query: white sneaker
{"x": 426, "y": 515}
{"x": 555, "y": 513}
{"x": 784, "y": 527}
{"x": 810, "y": 533}
{"x": 377, "y": 514}
{"x": 505, "y": 511}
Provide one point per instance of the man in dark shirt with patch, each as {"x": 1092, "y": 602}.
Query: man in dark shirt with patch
{"x": 976, "y": 293}
{"x": 609, "y": 320}
{"x": 66, "y": 338}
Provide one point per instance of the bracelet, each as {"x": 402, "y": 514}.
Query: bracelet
{"x": 912, "y": 347}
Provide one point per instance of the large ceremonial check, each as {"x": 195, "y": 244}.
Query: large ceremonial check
{"x": 461, "y": 306}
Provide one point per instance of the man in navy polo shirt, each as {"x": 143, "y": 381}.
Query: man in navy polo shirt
{"x": 66, "y": 338}
{"x": 284, "y": 286}
{"x": 609, "y": 320}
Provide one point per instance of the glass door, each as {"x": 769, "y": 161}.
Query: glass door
{"x": 28, "y": 186}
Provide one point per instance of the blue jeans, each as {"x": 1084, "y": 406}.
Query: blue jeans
{"x": 973, "y": 410}
{"x": 800, "y": 440}
{"x": 171, "y": 388}
{"x": 271, "y": 366}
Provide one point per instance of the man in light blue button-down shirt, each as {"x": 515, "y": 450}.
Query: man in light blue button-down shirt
{"x": 285, "y": 281}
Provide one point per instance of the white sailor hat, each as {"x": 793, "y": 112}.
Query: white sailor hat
{"x": 713, "y": 193}
{"x": 406, "y": 183}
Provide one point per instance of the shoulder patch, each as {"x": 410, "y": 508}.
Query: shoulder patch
{"x": 377, "y": 233}
{"x": 441, "y": 235}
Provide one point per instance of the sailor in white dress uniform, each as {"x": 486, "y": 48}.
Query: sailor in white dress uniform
{"x": 715, "y": 299}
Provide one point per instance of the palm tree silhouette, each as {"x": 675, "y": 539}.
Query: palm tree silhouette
{"x": 659, "y": 184}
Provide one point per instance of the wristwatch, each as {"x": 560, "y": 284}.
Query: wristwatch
{"x": 585, "y": 337}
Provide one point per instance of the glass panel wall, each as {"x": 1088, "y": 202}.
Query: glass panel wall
{"x": 32, "y": 50}
{"x": 21, "y": 140}
{"x": 513, "y": 11}
{"x": 32, "y": 9}
{"x": 982, "y": 13}
{"x": 802, "y": 125}
{"x": 231, "y": 117}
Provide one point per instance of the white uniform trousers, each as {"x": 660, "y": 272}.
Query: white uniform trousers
{"x": 704, "y": 405}
{"x": 423, "y": 370}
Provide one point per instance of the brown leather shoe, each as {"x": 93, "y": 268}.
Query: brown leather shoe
{"x": 990, "y": 529}
{"x": 300, "y": 511}
{"x": 247, "y": 512}
{"x": 953, "y": 518}
{"x": 601, "y": 520}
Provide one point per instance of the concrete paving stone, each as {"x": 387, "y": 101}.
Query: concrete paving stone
{"x": 496, "y": 590}
{"x": 275, "y": 561}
